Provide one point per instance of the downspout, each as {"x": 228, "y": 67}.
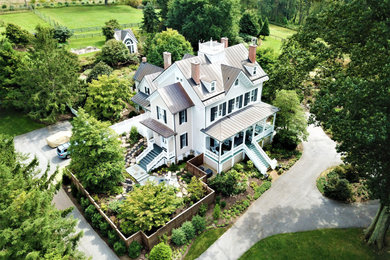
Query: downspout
{"x": 174, "y": 137}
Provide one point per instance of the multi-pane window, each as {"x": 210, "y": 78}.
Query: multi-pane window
{"x": 254, "y": 95}
{"x": 147, "y": 90}
{"x": 161, "y": 114}
{"x": 239, "y": 102}
{"x": 183, "y": 116}
{"x": 212, "y": 88}
{"x": 230, "y": 105}
{"x": 246, "y": 98}
{"x": 183, "y": 140}
{"x": 213, "y": 113}
{"x": 254, "y": 70}
{"x": 222, "y": 110}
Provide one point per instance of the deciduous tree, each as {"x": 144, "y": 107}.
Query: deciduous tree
{"x": 249, "y": 23}
{"x": 115, "y": 53}
{"x": 99, "y": 69}
{"x": 97, "y": 158}
{"x": 109, "y": 28}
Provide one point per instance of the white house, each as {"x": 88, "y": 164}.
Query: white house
{"x": 210, "y": 104}
{"x": 128, "y": 38}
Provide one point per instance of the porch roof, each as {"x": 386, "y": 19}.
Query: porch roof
{"x": 158, "y": 127}
{"x": 141, "y": 99}
{"x": 238, "y": 121}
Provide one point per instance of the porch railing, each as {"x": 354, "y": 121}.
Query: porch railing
{"x": 271, "y": 162}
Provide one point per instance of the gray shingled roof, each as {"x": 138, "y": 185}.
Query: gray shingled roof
{"x": 120, "y": 35}
{"x": 141, "y": 99}
{"x": 158, "y": 127}
{"x": 239, "y": 121}
{"x": 146, "y": 69}
{"x": 187, "y": 55}
{"x": 175, "y": 97}
{"x": 149, "y": 80}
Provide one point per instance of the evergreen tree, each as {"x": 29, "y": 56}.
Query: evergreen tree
{"x": 150, "y": 22}
{"x": 265, "y": 29}
{"x": 97, "y": 158}
{"x": 99, "y": 69}
{"x": 249, "y": 24}
{"x": 31, "y": 227}
{"x": 163, "y": 4}
{"x": 109, "y": 28}
{"x": 260, "y": 22}
{"x": 48, "y": 78}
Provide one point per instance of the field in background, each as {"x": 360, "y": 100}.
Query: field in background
{"x": 275, "y": 40}
{"x": 26, "y": 20}
{"x": 90, "y": 16}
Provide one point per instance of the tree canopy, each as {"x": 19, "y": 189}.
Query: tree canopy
{"x": 204, "y": 19}
{"x": 348, "y": 42}
{"x": 97, "y": 158}
{"x": 109, "y": 28}
{"x": 99, "y": 69}
{"x": 107, "y": 97}
{"x": 115, "y": 53}
{"x": 171, "y": 41}
{"x": 249, "y": 23}
{"x": 31, "y": 227}
{"x": 148, "y": 206}
{"x": 150, "y": 22}
{"x": 48, "y": 78}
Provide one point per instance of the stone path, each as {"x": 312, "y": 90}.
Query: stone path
{"x": 293, "y": 204}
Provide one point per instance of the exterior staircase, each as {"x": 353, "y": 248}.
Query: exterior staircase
{"x": 150, "y": 156}
{"x": 259, "y": 158}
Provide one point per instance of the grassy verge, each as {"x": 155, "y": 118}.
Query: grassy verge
{"x": 97, "y": 42}
{"x": 91, "y": 16}
{"x": 204, "y": 241}
{"x": 15, "y": 123}
{"x": 317, "y": 244}
{"x": 27, "y": 20}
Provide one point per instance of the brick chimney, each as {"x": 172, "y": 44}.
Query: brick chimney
{"x": 225, "y": 41}
{"x": 195, "y": 72}
{"x": 252, "y": 53}
{"x": 167, "y": 59}
{"x": 144, "y": 59}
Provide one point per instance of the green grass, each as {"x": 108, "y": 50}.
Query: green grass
{"x": 91, "y": 16}
{"x": 317, "y": 244}
{"x": 280, "y": 31}
{"x": 97, "y": 42}
{"x": 15, "y": 123}
{"x": 26, "y": 20}
{"x": 204, "y": 241}
{"x": 275, "y": 42}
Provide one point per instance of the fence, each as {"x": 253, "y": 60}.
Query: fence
{"x": 97, "y": 28}
{"x": 46, "y": 18}
{"x": 141, "y": 237}
{"x": 192, "y": 167}
{"x": 86, "y": 35}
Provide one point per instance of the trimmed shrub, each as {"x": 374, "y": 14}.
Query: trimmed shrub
{"x": 90, "y": 211}
{"x": 84, "y": 202}
{"x": 203, "y": 209}
{"x": 199, "y": 223}
{"x": 115, "y": 52}
{"x": 99, "y": 69}
{"x": 112, "y": 237}
{"x": 120, "y": 248}
{"x": 178, "y": 237}
{"x": 223, "y": 204}
{"x": 62, "y": 33}
{"x": 188, "y": 229}
{"x": 104, "y": 227}
{"x": 134, "y": 135}
{"x": 96, "y": 220}
{"x": 261, "y": 189}
{"x": 161, "y": 252}
{"x": 217, "y": 212}
{"x": 336, "y": 188}
{"x": 135, "y": 249}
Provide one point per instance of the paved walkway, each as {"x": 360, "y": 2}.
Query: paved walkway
{"x": 293, "y": 204}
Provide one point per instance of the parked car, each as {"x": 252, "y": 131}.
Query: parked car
{"x": 58, "y": 138}
{"x": 62, "y": 150}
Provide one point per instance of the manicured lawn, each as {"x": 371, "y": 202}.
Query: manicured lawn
{"x": 280, "y": 31}
{"x": 204, "y": 241}
{"x": 317, "y": 244}
{"x": 90, "y": 16}
{"x": 15, "y": 123}
{"x": 97, "y": 42}
{"x": 27, "y": 20}
{"x": 273, "y": 43}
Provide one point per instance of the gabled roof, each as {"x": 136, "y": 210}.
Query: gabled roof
{"x": 158, "y": 127}
{"x": 229, "y": 74}
{"x": 239, "y": 121}
{"x": 146, "y": 69}
{"x": 120, "y": 35}
{"x": 149, "y": 80}
{"x": 175, "y": 97}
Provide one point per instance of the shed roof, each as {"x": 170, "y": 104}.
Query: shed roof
{"x": 175, "y": 97}
{"x": 239, "y": 121}
{"x": 158, "y": 127}
{"x": 144, "y": 69}
{"x": 141, "y": 99}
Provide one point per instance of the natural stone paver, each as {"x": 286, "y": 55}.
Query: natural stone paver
{"x": 293, "y": 204}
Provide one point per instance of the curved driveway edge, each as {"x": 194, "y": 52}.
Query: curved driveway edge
{"x": 293, "y": 204}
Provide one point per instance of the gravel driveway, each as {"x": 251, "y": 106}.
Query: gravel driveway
{"x": 293, "y": 204}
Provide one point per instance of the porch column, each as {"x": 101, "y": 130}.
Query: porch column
{"x": 232, "y": 150}
{"x": 219, "y": 157}
{"x": 253, "y": 132}
{"x": 168, "y": 159}
{"x": 243, "y": 142}
{"x": 273, "y": 127}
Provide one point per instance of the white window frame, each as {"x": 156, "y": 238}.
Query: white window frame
{"x": 186, "y": 140}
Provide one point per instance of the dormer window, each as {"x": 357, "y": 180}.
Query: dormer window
{"x": 254, "y": 70}
{"x": 236, "y": 82}
{"x": 212, "y": 87}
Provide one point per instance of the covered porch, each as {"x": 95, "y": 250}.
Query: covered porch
{"x": 226, "y": 139}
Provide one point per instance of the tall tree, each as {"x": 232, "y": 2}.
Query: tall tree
{"x": 249, "y": 23}
{"x": 170, "y": 41}
{"x": 31, "y": 227}
{"x": 97, "y": 158}
{"x": 265, "y": 29}
{"x": 354, "y": 97}
{"x": 109, "y": 27}
{"x": 150, "y": 22}
{"x": 163, "y": 4}
{"x": 107, "y": 97}
{"x": 48, "y": 78}
{"x": 204, "y": 19}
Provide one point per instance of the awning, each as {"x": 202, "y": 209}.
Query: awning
{"x": 158, "y": 127}
{"x": 141, "y": 99}
{"x": 238, "y": 121}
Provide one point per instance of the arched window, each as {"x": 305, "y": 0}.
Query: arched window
{"x": 130, "y": 44}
